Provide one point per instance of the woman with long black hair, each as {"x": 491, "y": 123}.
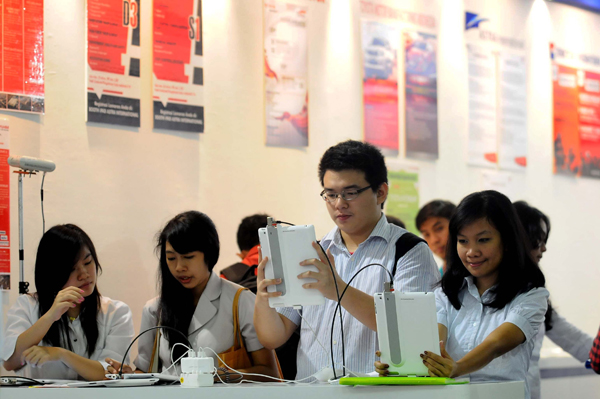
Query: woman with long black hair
{"x": 492, "y": 299}
{"x": 194, "y": 300}
{"x": 66, "y": 329}
{"x": 564, "y": 334}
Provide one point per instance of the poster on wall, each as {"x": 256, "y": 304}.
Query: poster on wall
{"x": 482, "y": 142}
{"x": 576, "y": 121}
{"x": 285, "y": 74}
{"x": 512, "y": 75}
{"x": 380, "y": 45}
{"x": 420, "y": 63}
{"x": 399, "y": 54}
{"x": 177, "y": 64}
{"x": 495, "y": 33}
{"x": 113, "y": 62}
{"x": 4, "y": 206}
{"x": 22, "y": 56}
{"x": 403, "y": 197}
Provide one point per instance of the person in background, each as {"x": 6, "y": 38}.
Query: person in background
{"x": 244, "y": 272}
{"x": 66, "y": 329}
{"x": 194, "y": 300}
{"x": 492, "y": 299}
{"x": 354, "y": 180}
{"x": 557, "y": 328}
{"x": 395, "y": 220}
{"x": 432, "y": 221}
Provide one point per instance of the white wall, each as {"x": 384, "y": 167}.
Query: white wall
{"x": 122, "y": 184}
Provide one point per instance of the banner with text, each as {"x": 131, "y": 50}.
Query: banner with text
{"x": 497, "y": 70}
{"x": 113, "y": 62}
{"x": 286, "y": 74}
{"x": 22, "y": 56}
{"x": 178, "y": 81}
{"x": 4, "y": 205}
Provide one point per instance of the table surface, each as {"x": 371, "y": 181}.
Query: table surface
{"x": 512, "y": 389}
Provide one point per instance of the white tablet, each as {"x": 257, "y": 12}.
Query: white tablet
{"x": 160, "y": 376}
{"x": 406, "y": 327}
{"x": 286, "y": 247}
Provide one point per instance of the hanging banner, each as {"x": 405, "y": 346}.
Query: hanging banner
{"x": 399, "y": 50}
{"x": 483, "y": 136}
{"x": 420, "y": 51}
{"x": 495, "y": 36}
{"x": 403, "y": 196}
{"x": 178, "y": 81}
{"x": 113, "y": 62}
{"x": 286, "y": 74}
{"x": 576, "y": 91}
{"x": 22, "y": 56}
{"x": 4, "y": 206}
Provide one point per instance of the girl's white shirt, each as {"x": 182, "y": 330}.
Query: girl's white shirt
{"x": 115, "y": 332}
{"x": 211, "y": 325}
{"x": 473, "y": 322}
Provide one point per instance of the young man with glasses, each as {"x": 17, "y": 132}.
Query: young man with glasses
{"x": 354, "y": 179}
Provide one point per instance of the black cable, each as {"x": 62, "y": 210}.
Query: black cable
{"x": 144, "y": 332}
{"x": 17, "y": 377}
{"x": 339, "y": 300}
{"x": 42, "y": 196}
{"x": 281, "y": 222}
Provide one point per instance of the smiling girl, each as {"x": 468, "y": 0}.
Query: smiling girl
{"x": 492, "y": 299}
{"x": 66, "y": 329}
{"x": 196, "y": 301}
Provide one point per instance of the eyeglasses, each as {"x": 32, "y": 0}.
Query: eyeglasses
{"x": 346, "y": 195}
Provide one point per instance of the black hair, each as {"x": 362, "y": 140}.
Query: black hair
{"x": 517, "y": 272}
{"x": 247, "y": 234}
{"x": 435, "y": 208}
{"x": 187, "y": 232}
{"x": 395, "y": 220}
{"x": 531, "y": 219}
{"x": 59, "y": 250}
{"x": 355, "y": 155}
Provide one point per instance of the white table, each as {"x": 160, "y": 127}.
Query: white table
{"x": 503, "y": 390}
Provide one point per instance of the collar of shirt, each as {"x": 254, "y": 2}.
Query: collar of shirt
{"x": 382, "y": 229}
{"x": 472, "y": 289}
{"x": 206, "y": 309}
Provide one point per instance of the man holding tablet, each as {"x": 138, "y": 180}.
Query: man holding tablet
{"x": 354, "y": 179}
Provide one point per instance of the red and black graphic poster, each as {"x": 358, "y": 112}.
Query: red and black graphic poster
{"x": 113, "y": 62}
{"x": 22, "y": 55}
{"x": 576, "y": 122}
{"x": 178, "y": 82}
{"x": 4, "y": 206}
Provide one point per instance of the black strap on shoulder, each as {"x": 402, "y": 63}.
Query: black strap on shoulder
{"x": 405, "y": 243}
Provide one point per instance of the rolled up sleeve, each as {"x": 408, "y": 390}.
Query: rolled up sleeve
{"x": 527, "y": 311}
{"x": 20, "y": 317}
{"x": 441, "y": 305}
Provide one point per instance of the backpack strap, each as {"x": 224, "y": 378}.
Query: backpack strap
{"x": 405, "y": 243}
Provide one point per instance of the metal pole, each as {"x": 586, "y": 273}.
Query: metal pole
{"x": 23, "y": 285}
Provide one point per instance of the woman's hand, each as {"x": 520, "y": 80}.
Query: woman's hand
{"x": 262, "y": 295}
{"x": 38, "y": 355}
{"x": 114, "y": 367}
{"x": 381, "y": 368}
{"x": 65, "y": 299}
{"x": 440, "y": 366}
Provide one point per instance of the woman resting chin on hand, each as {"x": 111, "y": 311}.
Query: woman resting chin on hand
{"x": 492, "y": 291}
{"x": 66, "y": 329}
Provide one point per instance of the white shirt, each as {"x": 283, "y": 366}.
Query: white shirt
{"x": 473, "y": 322}
{"x": 115, "y": 332}
{"x": 568, "y": 337}
{"x": 416, "y": 272}
{"x": 211, "y": 325}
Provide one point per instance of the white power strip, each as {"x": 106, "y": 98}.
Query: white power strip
{"x": 197, "y": 371}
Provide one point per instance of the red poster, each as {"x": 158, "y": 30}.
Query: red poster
{"x": 4, "y": 207}
{"x": 113, "y": 62}
{"x": 566, "y": 121}
{"x": 22, "y": 55}
{"x": 589, "y": 123}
